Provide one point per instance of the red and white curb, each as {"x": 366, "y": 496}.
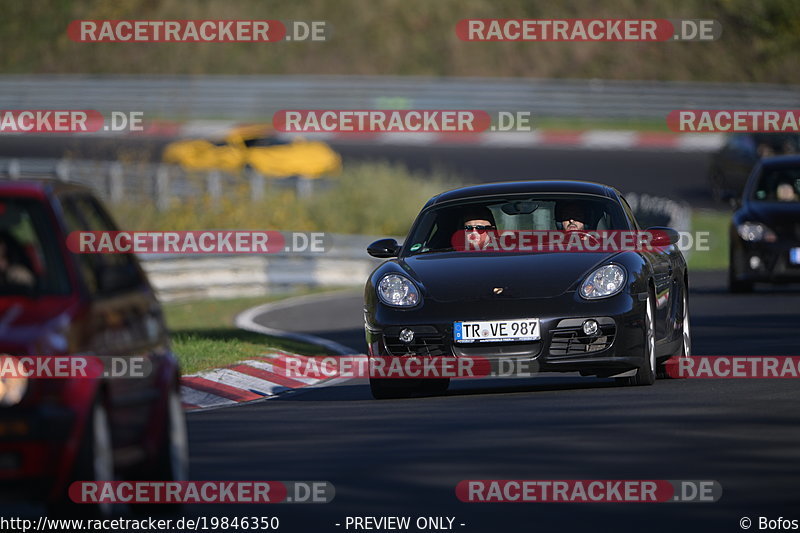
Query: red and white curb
{"x": 263, "y": 376}
{"x": 253, "y": 379}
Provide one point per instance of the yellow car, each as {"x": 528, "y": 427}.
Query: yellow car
{"x": 258, "y": 147}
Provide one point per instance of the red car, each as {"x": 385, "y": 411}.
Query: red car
{"x": 57, "y": 303}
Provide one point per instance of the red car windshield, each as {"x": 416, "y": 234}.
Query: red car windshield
{"x": 30, "y": 260}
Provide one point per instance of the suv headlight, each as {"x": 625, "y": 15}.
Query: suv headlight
{"x": 755, "y": 231}
{"x": 606, "y": 281}
{"x": 398, "y": 291}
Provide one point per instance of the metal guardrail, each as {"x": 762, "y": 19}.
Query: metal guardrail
{"x": 155, "y": 183}
{"x": 249, "y": 98}
{"x": 185, "y": 277}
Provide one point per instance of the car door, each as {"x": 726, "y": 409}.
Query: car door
{"x": 124, "y": 322}
{"x": 663, "y": 273}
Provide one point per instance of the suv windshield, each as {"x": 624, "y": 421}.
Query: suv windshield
{"x": 30, "y": 262}
{"x": 435, "y": 228}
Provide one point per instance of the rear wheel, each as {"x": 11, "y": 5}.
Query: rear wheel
{"x": 646, "y": 373}
{"x": 172, "y": 463}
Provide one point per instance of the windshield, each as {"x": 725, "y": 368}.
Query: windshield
{"x": 435, "y": 229}
{"x": 778, "y": 185}
{"x": 30, "y": 262}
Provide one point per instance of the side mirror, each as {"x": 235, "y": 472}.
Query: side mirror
{"x": 663, "y": 236}
{"x": 384, "y": 248}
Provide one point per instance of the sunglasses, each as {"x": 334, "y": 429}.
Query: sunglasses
{"x": 477, "y": 228}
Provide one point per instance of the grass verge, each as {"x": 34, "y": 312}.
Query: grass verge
{"x": 371, "y": 198}
{"x": 204, "y": 336}
{"x": 716, "y": 224}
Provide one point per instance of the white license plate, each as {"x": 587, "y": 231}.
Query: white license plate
{"x": 794, "y": 256}
{"x": 520, "y": 329}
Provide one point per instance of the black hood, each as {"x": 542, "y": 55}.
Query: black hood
{"x": 448, "y": 277}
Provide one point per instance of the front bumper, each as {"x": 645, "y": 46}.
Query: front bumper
{"x": 617, "y": 347}
{"x": 764, "y": 261}
{"x": 34, "y": 443}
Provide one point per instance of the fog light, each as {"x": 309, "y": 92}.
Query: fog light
{"x": 755, "y": 262}
{"x": 590, "y": 327}
{"x": 406, "y": 336}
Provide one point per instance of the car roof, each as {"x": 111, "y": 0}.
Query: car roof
{"x": 791, "y": 160}
{"x": 39, "y": 187}
{"x": 522, "y": 187}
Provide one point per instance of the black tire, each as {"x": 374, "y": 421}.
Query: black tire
{"x": 646, "y": 373}
{"x": 172, "y": 462}
{"x": 173, "y": 458}
{"x": 686, "y": 337}
{"x": 94, "y": 462}
{"x": 736, "y": 285}
{"x": 391, "y": 389}
{"x": 435, "y": 387}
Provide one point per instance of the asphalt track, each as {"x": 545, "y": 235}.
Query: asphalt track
{"x": 405, "y": 457}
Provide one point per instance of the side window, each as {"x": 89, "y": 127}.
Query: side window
{"x": 86, "y": 263}
{"x": 629, "y": 213}
{"x": 105, "y": 273}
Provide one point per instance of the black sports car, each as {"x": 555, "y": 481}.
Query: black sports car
{"x": 765, "y": 230}
{"x": 600, "y": 313}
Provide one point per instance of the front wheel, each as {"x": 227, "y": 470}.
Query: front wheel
{"x": 736, "y": 285}
{"x": 646, "y": 373}
{"x": 172, "y": 462}
{"x": 686, "y": 337}
{"x": 95, "y": 462}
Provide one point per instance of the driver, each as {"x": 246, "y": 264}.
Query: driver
{"x": 572, "y": 216}
{"x": 477, "y": 222}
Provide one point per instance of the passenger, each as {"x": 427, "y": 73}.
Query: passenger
{"x": 785, "y": 192}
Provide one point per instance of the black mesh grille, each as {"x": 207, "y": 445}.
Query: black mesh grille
{"x": 427, "y": 341}
{"x": 568, "y": 338}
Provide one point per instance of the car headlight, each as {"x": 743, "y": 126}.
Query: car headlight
{"x": 13, "y": 387}
{"x": 755, "y": 231}
{"x": 398, "y": 291}
{"x": 606, "y": 281}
